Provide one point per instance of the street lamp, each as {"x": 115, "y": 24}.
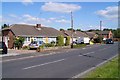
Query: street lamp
{"x": 72, "y": 29}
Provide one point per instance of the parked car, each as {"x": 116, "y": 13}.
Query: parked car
{"x": 84, "y": 40}
{"x": 109, "y": 41}
{"x": 3, "y": 48}
{"x": 35, "y": 44}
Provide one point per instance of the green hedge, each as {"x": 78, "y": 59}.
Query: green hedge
{"x": 49, "y": 45}
{"x": 60, "y": 40}
{"x": 79, "y": 45}
{"x": 67, "y": 41}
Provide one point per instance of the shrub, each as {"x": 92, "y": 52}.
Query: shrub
{"x": 79, "y": 45}
{"x": 53, "y": 42}
{"x": 49, "y": 45}
{"x": 18, "y": 42}
{"x": 25, "y": 47}
{"x": 98, "y": 39}
{"x": 60, "y": 40}
{"x": 67, "y": 41}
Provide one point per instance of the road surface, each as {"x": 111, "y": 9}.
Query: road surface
{"x": 65, "y": 64}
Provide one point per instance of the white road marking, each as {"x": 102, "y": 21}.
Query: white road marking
{"x": 87, "y": 53}
{"x": 18, "y": 58}
{"x": 43, "y": 64}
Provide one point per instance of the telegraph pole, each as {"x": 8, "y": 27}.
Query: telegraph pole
{"x": 100, "y": 25}
{"x": 72, "y": 29}
{"x": 101, "y": 31}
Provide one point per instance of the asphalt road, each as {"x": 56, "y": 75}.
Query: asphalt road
{"x": 64, "y": 64}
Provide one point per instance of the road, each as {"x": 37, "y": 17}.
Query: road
{"x": 65, "y": 64}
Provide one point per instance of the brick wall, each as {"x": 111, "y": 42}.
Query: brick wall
{"x": 10, "y": 35}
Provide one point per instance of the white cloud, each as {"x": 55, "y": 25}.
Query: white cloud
{"x": 29, "y": 19}
{"x": 62, "y": 21}
{"x": 109, "y": 12}
{"x": 26, "y": 2}
{"x": 60, "y": 7}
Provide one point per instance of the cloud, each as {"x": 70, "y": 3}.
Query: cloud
{"x": 29, "y": 19}
{"x": 27, "y": 2}
{"x": 62, "y": 21}
{"x": 110, "y": 12}
{"x": 60, "y": 7}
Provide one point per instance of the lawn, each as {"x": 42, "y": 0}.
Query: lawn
{"x": 108, "y": 70}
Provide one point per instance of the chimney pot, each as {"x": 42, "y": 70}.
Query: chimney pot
{"x": 38, "y": 26}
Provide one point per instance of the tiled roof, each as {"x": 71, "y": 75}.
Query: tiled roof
{"x": 102, "y": 32}
{"x": 30, "y": 30}
{"x": 91, "y": 34}
{"x": 75, "y": 33}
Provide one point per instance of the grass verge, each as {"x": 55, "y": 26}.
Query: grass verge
{"x": 108, "y": 70}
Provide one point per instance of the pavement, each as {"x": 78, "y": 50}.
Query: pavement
{"x": 13, "y": 52}
{"x": 65, "y": 64}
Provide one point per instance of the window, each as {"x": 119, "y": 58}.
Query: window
{"x": 28, "y": 38}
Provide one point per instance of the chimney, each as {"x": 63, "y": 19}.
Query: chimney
{"x": 38, "y": 25}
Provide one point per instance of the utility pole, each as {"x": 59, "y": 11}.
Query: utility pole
{"x": 100, "y": 25}
{"x": 72, "y": 29}
{"x": 101, "y": 31}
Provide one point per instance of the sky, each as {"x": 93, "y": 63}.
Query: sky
{"x": 86, "y": 15}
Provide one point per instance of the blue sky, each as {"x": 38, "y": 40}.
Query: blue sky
{"x": 86, "y": 15}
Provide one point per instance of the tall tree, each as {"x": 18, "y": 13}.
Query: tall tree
{"x": 61, "y": 29}
{"x": 5, "y": 26}
{"x": 78, "y": 30}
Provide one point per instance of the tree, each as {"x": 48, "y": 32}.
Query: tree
{"x": 70, "y": 29}
{"x": 5, "y": 26}
{"x": 93, "y": 30}
{"x": 78, "y": 30}
{"x": 61, "y": 29}
{"x": 117, "y": 33}
{"x": 99, "y": 39}
{"x": 18, "y": 42}
{"x": 60, "y": 40}
{"x": 67, "y": 41}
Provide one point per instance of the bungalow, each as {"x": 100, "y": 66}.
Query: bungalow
{"x": 92, "y": 35}
{"x": 29, "y": 32}
{"x": 105, "y": 34}
{"x": 76, "y": 34}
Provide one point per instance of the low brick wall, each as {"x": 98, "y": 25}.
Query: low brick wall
{"x": 55, "y": 48}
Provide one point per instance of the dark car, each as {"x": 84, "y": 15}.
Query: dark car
{"x": 3, "y": 48}
{"x": 109, "y": 41}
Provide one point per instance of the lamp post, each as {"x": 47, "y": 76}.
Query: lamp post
{"x": 72, "y": 29}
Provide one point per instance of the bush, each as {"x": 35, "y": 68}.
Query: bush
{"x": 25, "y": 47}
{"x": 60, "y": 40}
{"x": 18, "y": 42}
{"x": 98, "y": 40}
{"x": 49, "y": 45}
{"x": 67, "y": 41}
{"x": 79, "y": 45}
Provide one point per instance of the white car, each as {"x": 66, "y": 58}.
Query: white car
{"x": 35, "y": 44}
